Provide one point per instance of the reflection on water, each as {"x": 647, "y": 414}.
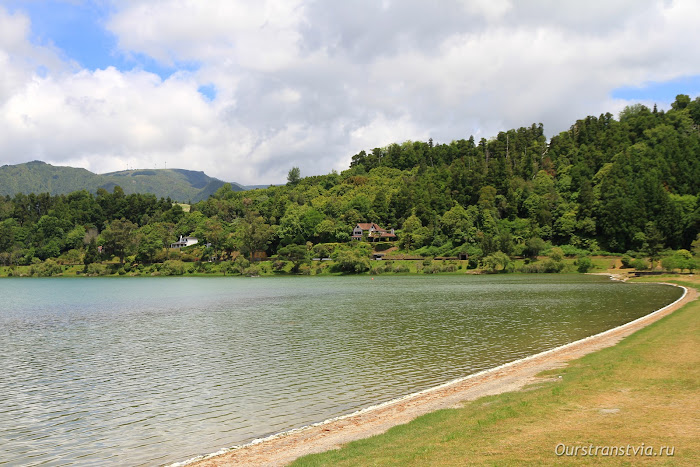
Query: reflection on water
{"x": 154, "y": 370}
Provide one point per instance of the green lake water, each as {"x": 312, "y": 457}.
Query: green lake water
{"x": 129, "y": 371}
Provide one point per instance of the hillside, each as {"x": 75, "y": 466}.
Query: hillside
{"x": 40, "y": 177}
{"x": 629, "y": 185}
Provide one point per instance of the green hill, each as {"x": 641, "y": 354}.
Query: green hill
{"x": 40, "y": 177}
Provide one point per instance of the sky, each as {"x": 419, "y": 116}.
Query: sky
{"x": 246, "y": 89}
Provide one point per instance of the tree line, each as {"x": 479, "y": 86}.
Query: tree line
{"x": 629, "y": 184}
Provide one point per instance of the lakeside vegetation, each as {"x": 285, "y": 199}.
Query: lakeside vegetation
{"x": 642, "y": 390}
{"x": 628, "y": 187}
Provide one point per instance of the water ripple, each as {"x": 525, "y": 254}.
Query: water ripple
{"x": 150, "y": 371}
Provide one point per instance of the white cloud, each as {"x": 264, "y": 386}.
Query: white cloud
{"x": 311, "y": 83}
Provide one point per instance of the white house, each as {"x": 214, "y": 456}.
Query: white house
{"x": 184, "y": 241}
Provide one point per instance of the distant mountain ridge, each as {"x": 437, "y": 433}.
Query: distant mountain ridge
{"x": 178, "y": 184}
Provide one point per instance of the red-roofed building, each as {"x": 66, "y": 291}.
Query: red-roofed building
{"x": 374, "y": 232}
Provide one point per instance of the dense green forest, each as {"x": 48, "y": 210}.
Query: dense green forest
{"x": 630, "y": 184}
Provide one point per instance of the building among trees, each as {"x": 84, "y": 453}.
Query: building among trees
{"x": 184, "y": 241}
{"x": 373, "y": 232}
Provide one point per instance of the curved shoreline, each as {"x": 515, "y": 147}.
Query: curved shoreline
{"x": 282, "y": 448}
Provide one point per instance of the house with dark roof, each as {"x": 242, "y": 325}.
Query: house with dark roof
{"x": 374, "y": 232}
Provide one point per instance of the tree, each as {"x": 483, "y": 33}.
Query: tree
{"x": 534, "y": 247}
{"x": 150, "y": 242}
{"x": 681, "y": 102}
{"x": 696, "y": 246}
{"x": 253, "y": 234}
{"x": 297, "y": 254}
{"x": 654, "y": 242}
{"x": 293, "y": 176}
{"x": 91, "y": 253}
{"x": 496, "y": 262}
{"x": 413, "y": 235}
{"x": 119, "y": 238}
{"x": 355, "y": 259}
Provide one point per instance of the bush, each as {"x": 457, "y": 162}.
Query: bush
{"x": 46, "y": 269}
{"x": 496, "y": 262}
{"x": 640, "y": 264}
{"x": 71, "y": 257}
{"x": 532, "y": 268}
{"x": 571, "y": 250}
{"x": 584, "y": 264}
{"x": 251, "y": 271}
{"x": 351, "y": 260}
{"x": 96, "y": 269}
{"x": 681, "y": 259}
{"x": 556, "y": 254}
{"x": 626, "y": 262}
{"x": 173, "y": 267}
{"x": 382, "y": 246}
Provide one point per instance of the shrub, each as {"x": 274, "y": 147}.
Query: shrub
{"x": 71, "y": 257}
{"x": 584, "y": 264}
{"x": 46, "y": 269}
{"x": 681, "y": 259}
{"x": 571, "y": 250}
{"x": 173, "y": 267}
{"x": 96, "y": 269}
{"x": 640, "y": 264}
{"x": 626, "y": 262}
{"x": 532, "y": 268}
{"x": 496, "y": 262}
{"x": 351, "y": 260}
{"x": 556, "y": 254}
{"x": 189, "y": 257}
{"x": 279, "y": 265}
{"x": 251, "y": 271}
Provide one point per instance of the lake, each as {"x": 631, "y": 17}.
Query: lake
{"x": 128, "y": 371}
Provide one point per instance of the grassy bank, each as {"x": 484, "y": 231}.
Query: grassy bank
{"x": 643, "y": 390}
{"x": 275, "y": 268}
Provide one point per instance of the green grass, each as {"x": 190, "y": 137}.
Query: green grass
{"x": 652, "y": 377}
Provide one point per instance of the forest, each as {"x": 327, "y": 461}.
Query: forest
{"x": 629, "y": 186}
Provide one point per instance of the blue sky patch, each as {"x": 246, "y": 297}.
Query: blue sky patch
{"x": 208, "y": 91}
{"x": 665, "y": 91}
{"x": 78, "y": 30}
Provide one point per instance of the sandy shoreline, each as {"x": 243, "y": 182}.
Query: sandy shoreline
{"x": 284, "y": 448}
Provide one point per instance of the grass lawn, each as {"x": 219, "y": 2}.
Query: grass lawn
{"x": 646, "y": 389}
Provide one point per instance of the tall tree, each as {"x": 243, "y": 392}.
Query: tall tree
{"x": 119, "y": 238}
